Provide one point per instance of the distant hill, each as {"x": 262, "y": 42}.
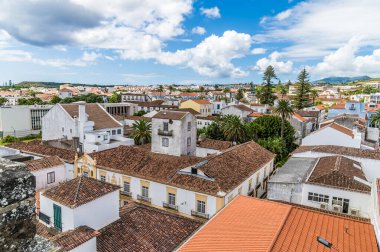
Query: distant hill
{"x": 28, "y": 84}
{"x": 338, "y": 80}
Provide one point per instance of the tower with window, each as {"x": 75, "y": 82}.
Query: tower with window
{"x": 174, "y": 133}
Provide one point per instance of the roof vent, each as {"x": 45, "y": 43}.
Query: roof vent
{"x": 194, "y": 170}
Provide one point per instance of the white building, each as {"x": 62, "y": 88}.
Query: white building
{"x": 204, "y": 121}
{"x": 48, "y": 171}
{"x": 217, "y": 106}
{"x": 334, "y": 134}
{"x": 21, "y": 121}
{"x": 87, "y": 124}
{"x": 238, "y": 109}
{"x": 174, "y": 133}
{"x": 333, "y": 183}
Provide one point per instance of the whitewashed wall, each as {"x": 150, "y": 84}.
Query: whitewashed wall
{"x": 329, "y": 136}
{"x": 46, "y": 207}
{"x": 41, "y": 177}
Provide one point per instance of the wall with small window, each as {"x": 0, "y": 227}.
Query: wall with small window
{"x": 315, "y": 195}
{"x": 49, "y": 177}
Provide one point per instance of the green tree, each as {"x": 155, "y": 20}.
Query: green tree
{"x": 3, "y": 100}
{"x": 275, "y": 145}
{"x": 375, "y": 119}
{"x": 266, "y": 94}
{"x": 301, "y": 99}
{"x": 202, "y": 89}
{"x": 139, "y": 113}
{"x": 56, "y": 99}
{"x": 216, "y": 87}
{"x": 142, "y": 132}
{"x": 171, "y": 89}
{"x": 214, "y": 131}
{"x": 30, "y": 101}
{"x": 283, "y": 109}
{"x": 233, "y": 129}
{"x": 115, "y": 98}
{"x": 314, "y": 94}
{"x": 225, "y": 91}
{"x": 160, "y": 89}
{"x": 240, "y": 94}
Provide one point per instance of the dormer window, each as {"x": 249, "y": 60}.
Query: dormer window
{"x": 166, "y": 126}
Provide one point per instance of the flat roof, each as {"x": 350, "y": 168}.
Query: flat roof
{"x": 294, "y": 171}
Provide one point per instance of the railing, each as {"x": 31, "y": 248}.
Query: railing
{"x": 352, "y": 108}
{"x": 199, "y": 214}
{"x": 165, "y": 133}
{"x": 170, "y": 206}
{"x": 143, "y": 198}
{"x": 44, "y": 218}
{"x": 125, "y": 193}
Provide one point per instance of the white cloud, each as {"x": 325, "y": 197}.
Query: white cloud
{"x": 283, "y": 15}
{"x": 346, "y": 62}
{"x": 258, "y": 50}
{"x": 213, "y": 56}
{"x": 211, "y": 12}
{"x": 198, "y": 30}
{"x": 273, "y": 60}
{"x": 316, "y": 28}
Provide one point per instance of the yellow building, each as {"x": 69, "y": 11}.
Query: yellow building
{"x": 204, "y": 107}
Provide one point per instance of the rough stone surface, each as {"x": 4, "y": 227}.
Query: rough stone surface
{"x": 17, "y": 209}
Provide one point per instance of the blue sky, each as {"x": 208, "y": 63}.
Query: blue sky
{"x": 185, "y": 41}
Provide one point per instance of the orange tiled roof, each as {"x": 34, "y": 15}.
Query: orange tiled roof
{"x": 339, "y": 106}
{"x": 250, "y": 224}
{"x": 302, "y": 119}
{"x": 202, "y": 101}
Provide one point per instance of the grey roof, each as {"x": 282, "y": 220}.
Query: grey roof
{"x": 294, "y": 171}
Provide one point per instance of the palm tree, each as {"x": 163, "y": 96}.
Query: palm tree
{"x": 202, "y": 89}
{"x": 171, "y": 89}
{"x": 283, "y": 109}
{"x": 142, "y": 132}
{"x": 225, "y": 91}
{"x": 314, "y": 94}
{"x": 160, "y": 89}
{"x": 233, "y": 129}
{"x": 375, "y": 119}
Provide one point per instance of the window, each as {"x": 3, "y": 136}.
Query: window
{"x": 145, "y": 191}
{"x": 188, "y": 141}
{"x": 166, "y": 126}
{"x": 71, "y": 130}
{"x": 92, "y": 174}
{"x": 105, "y": 137}
{"x": 201, "y": 206}
{"x": 63, "y": 129}
{"x": 318, "y": 197}
{"x": 51, "y": 177}
{"x": 171, "y": 199}
{"x": 119, "y": 131}
{"x": 250, "y": 185}
{"x": 103, "y": 178}
{"x": 188, "y": 126}
{"x": 113, "y": 132}
{"x": 126, "y": 186}
{"x": 218, "y": 106}
{"x": 85, "y": 174}
{"x": 339, "y": 201}
{"x": 165, "y": 142}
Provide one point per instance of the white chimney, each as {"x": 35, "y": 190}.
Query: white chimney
{"x": 82, "y": 118}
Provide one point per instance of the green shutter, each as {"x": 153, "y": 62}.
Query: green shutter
{"x": 57, "y": 217}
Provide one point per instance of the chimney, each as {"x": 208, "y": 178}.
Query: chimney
{"x": 82, "y": 111}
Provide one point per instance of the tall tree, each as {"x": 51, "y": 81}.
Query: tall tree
{"x": 202, "y": 89}
{"x": 142, "y": 132}
{"x": 314, "y": 94}
{"x": 283, "y": 109}
{"x": 115, "y": 98}
{"x": 375, "y": 119}
{"x": 267, "y": 96}
{"x": 160, "y": 89}
{"x": 225, "y": 91}
{"x": 171, "y": 89}
{"x": 240, "y": 94}
{"x": 301, "y": 99}
{"x": 233, "y": 129}
{"x": 3, "y": 100}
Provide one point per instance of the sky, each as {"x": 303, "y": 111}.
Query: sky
{"x": 146, "y": 42}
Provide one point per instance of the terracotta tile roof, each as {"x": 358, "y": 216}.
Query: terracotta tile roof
{"x": 214, "y": 144}
{"x": 37, "y": 148}
{"x": 79, "y": 191}
{"x": 173, "y": 115}
{"x": 250, "y": 224}
{"x": 340, "y": 150}
{"x": 242, "y": 107}
{"x": 299, "y": 117}
{"x": 229, "y": 169}
{"x": 71, "y": 239}
{"x": 189, "y": 94}
{"x": 210, "y": 118}
{"x": 338, "y": 106}
{"x": 95, "y": 113}
{"x": 143, "y": 228}
{"x": 246, "y": 224}
{"x": 190, "y": 110}
{"x": 256, "y": 114}
{"x": 138, "y": 118}
{"x": 342, "y": 129}
{"x": 339, "y": 172}
{"x": 308, "y": 113}
{"x": 202, "y": 101}
{"x": 43, "y": 163}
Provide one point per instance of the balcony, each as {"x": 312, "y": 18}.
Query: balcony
{"x": 199, "y": 214}
{"x": 125, "y": 193}
{"x": 44, "y": 218}
{"x": 143, "y": 198}
{"x": 165, "y": 132}
{"x": 170, "y": 206}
